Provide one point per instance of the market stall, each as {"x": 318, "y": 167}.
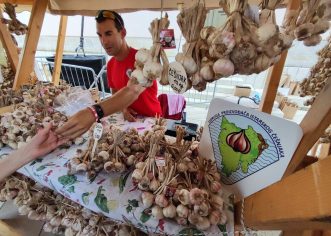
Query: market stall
{"x": 252, "y": 211}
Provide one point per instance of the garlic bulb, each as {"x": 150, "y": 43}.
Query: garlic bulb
{"x": 223, "y": 67}
{"x": 169, "y": 211}
{"x": 184, "y": 197}
{"x": 152, "y": 70}
{"x": 137, "y": 175}
{"x": 139, "y": 76}
{"x": 154, "y": 185}
{"x": 157, "y": 212}
{"x": 207, "y": 72}
{"x": 188, "y": 63}
{"x": 142, "y": 56}
{"x": 161, "y": 200}
{"x": 265, "y": 32}
{"x": 182, "y": 211}
{"x": 104, "y": 155}
{"x": 312, "y": 40}
{"x": 222, "y": 43}
{"x": 147, "y": 199}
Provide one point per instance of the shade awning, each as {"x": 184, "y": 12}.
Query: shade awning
{"x": 89, "y": 8}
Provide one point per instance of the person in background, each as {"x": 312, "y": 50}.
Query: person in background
{"x": 112, "y": 32}
{"x": 42, "y": 143}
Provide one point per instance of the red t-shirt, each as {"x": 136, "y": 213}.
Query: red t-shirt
{"x": 147, "y": 103}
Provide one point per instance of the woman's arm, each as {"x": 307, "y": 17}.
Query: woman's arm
{"x": 42, "y": 143}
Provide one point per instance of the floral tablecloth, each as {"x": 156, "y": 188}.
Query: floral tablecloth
{"x": 111, "y": 194}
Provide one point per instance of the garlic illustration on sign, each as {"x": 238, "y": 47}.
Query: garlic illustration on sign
{"x": 239, "y": 142}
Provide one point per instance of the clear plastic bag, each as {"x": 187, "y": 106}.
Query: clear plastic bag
{"x": 73, "y": 100}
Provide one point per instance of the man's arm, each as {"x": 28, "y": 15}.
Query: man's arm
{"x": 83, "y": 120}
{"x": 113, "y": 91}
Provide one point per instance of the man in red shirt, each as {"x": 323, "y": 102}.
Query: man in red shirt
{"x": 111, "y": 32}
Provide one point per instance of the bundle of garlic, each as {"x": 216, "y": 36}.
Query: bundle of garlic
{"x": 14, "y": 25}
{"x": 60, "y": 214}
{"x": 311, "y": 22}
{"x": 191, "y": 21}
{"x": 319, "y": 75}
{"x": 178, "y": 184}
{"x": 116, "y": 152}
{"x": 148, "y": 65}
{"x": 244, "y": 53}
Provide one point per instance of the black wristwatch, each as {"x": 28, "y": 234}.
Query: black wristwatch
{"x": 99, "y": 111}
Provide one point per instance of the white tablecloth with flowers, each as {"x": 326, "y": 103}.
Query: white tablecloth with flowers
{"x": 113, "y": 195}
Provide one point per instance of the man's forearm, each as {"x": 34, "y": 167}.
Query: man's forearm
{"x": 121, "y": 99}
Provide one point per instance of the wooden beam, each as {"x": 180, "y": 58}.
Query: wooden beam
{"x": 18, "y": 2}
{"x": 274, "y": 73}
{"x": 6, "y": 230}
{"x": 26, "y": 62}
{"x": 59, "y": 49}
{"x": 298, "y": 202}
{"x": 6, "y": 109}
{"x": 302, "y": 233}
{"x": 307, "y": 161}
{"x": 8, "y": 45}
{"x": 317, "y": 119}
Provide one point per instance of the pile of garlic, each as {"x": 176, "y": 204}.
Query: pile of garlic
{"x": 311, "y": 22}
{"x": 61, "y": 215}
{"x": 116, "y": 151}
{"x": 319, "y": 75}
{"x": 19, "y": 126}
{"x": 178, "y": 184}
{"x": 148, "y": 65}
{"x": 7, "y": 95}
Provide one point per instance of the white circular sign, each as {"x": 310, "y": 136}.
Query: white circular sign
{"x": 178, "y": 78}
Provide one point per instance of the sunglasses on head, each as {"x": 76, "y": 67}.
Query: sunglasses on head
{"x": 106, "y": 14}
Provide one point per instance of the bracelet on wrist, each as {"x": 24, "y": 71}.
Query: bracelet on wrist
{"x": 94, "y": 113}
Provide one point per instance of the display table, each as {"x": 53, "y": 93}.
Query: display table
{"x": 110, "y": 194}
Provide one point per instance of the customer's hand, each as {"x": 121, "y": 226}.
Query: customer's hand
{"x": 129, "y": 114}
{"x": 42, "y": 143}
{"x": 76, "y": 125}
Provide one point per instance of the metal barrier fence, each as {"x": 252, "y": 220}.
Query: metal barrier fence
{"x": 72, "y": 74}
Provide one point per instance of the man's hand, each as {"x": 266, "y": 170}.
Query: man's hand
{"x": 129, "y": 114}
{"x": 77, "y": 124}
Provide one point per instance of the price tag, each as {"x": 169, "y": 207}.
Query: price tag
{"x": 160, "y": 161}
{"x": 177, "y": 77}
{"x": 97, "y": 133}
{"x": 167, "y": 38}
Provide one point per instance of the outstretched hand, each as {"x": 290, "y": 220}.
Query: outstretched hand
{"x": 43, "y": 142}
{"x": 77, "y": 124}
